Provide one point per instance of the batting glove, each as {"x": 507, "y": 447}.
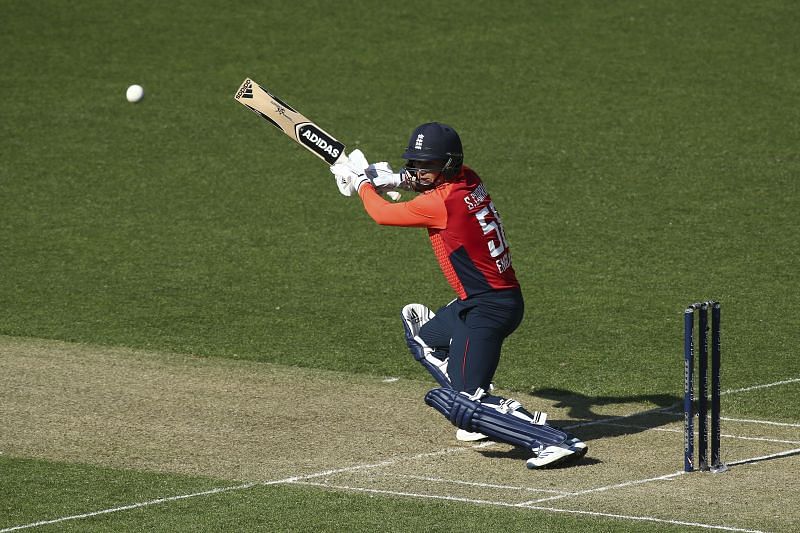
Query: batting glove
{"x": 382, "y": 177}
{"x": 350, "y": 173}
{"x": 344, "y": 177}
{"x": 358, "y": 163}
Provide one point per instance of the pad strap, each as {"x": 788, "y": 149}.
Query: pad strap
{"x": 471, "y": 415}
{"x": 423, "y": 353}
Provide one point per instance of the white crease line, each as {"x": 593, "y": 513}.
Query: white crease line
{"x": 787, "y": 453}
{"x": 475, "y": 484}
{"x": 401, "y": 493}
{"x": 764, "y": 386}
{"x": 644, "y": 519}
{"x": 293, "y": 479}
{"x": 603, "y": 489}
{"x": 368, "y": 466}
{"x": 666, "y": 410}
{"x": 131, "y": 506}
{"x": 537, "y": 508}
{"x": 767, "y": 422}
{"x": 667, "y": 430}
{"x": 761, "y": 439}
{"x": 532, "y": 504}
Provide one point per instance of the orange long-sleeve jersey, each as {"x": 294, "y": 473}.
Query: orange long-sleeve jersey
{"x": 464, "y": 227}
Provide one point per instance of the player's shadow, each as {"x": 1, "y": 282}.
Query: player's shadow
{"x": 588, "y": 424}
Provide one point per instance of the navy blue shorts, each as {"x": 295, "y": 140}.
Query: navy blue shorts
{"x": 472, "y": 332}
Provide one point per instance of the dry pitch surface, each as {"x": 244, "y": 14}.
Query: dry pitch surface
{"x": 250, "y": 422}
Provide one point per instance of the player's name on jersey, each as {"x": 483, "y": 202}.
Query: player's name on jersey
{"x": 476, "y": 197}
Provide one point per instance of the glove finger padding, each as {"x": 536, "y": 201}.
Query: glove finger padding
{"x": 357, "y": 161}
{"x": 354, "y": 170}
{"x": 344, "y": 178}
{"x": 382, "y": 177}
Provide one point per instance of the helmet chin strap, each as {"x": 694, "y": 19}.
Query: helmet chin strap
{"x": 449, "y": 170}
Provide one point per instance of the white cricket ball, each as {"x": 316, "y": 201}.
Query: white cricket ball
{"x": 134, "y": 93}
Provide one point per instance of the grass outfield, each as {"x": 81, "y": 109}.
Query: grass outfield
{"x": 643, "y": 155}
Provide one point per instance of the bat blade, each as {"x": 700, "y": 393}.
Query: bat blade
{"x": 289, "y": 121}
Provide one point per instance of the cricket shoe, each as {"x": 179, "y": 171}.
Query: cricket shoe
{"x": 570, "y": 450}
{"x": 463, "y": 435}
{"x": 469, "y": 436}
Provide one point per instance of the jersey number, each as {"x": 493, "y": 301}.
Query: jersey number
{"x": 496, "y": 226}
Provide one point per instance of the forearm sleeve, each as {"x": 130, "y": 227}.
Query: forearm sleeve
{"x": 424, "y": 211}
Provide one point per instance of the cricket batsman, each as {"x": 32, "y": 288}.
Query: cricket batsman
{"x": 460, "y": 343}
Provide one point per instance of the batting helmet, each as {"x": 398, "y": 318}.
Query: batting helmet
{"x": 436, "y": 142}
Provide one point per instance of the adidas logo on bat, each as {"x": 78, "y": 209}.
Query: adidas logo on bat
{"x": 319, "y": 142}
{"x": 246, "y": 91}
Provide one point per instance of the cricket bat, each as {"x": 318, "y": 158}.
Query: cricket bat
{"x": 281, "y": 115}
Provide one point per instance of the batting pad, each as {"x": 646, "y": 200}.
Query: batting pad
{"x": 471, "y": 415}
{"x": 414, "y": 316}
